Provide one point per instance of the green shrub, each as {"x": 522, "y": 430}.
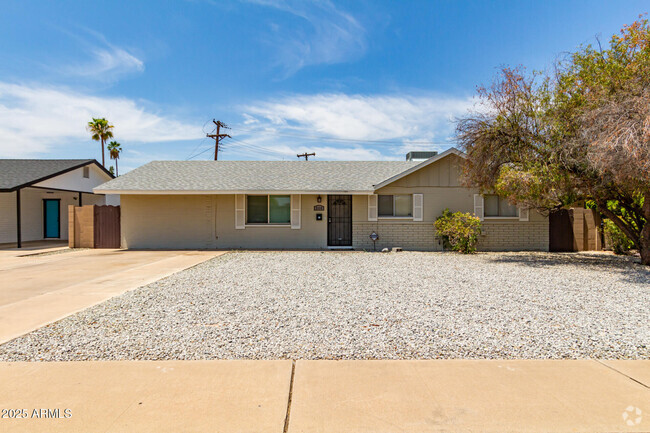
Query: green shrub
{"x": 616, "y": 239}
{"x": 459, "y": 231}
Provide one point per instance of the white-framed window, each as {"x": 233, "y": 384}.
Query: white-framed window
{"x": 498, "y": 207}
{"x": 268, "y": 209}
{"x": 395, "y": 205}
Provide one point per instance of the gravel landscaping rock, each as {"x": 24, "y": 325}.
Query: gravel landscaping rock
{"x": 312, "y": 305}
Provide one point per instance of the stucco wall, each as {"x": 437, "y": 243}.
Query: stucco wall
{"x": 31, "y": 207}
{"x": 208, "y": 221}
{"x": 311, "y": 235}
{"x": 7, "y": 217}
{"x": 74, "y": 180}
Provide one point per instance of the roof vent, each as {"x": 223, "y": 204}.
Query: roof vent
{"x": 420, "y": 155}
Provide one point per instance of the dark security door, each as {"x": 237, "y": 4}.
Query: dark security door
{"x": 339, "y": 220}
{"x": 52, "y": 218}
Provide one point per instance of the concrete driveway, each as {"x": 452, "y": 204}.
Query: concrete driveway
{"x": 40, "y": 289}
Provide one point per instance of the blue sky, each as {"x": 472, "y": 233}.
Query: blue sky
{"x": 347, "y": 80}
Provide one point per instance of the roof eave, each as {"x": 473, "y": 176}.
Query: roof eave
{"x": 229, "y": 192}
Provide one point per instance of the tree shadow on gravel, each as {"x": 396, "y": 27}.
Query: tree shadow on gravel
{"x": 630, "y": 268}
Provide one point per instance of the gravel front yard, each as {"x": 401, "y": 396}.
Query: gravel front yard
{"x": 311, "y": 305}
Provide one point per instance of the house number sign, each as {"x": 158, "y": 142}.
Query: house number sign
{"x": 319, "y": 207}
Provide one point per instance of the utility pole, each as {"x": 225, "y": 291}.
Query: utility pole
{"x": 217, "y": 137}
{"x": 306, "y": 155}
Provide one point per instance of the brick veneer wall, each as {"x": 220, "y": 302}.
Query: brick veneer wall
{"x": 408, "y": 235}
{"x": 496, "y": 236}
{"x": 514, "y": 235}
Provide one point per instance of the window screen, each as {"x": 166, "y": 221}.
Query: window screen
{"x": 496, "y": 206}
{"x": 257, "y": 209}
{"x": 280, "y": 209}
{"x": 395, "y": 205}
{"x": 403, "y": 205}
{"x": 385, "y": 205}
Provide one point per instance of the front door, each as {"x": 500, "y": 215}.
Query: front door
{"x": 52, "y": 218}
{"x": 339, "y": 220}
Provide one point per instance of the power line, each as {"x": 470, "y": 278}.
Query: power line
{"x": 351, "y": 140}
{"x": 200, "y": 153}
{"x": 256, "y": 148}
{"x": 200, "y": 142}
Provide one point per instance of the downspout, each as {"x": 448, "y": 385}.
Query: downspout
{"x": 18, "y": 237}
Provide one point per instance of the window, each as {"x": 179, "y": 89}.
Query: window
{"x": 86, "y": 172}
{"x": 268, "y": 209}
{"x": 496, "y": 206}
{"x": 395, "y": 205}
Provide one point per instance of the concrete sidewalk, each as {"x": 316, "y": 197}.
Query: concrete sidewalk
{"x": 140, "y": 396}
{"x": 37, "y": 290}
{"x": 329, "y": 396}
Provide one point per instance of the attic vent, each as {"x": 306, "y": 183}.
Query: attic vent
{"x": 420, "y": 155}
{"x": 86, "y": 172}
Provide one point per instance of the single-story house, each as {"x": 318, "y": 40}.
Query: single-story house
{"x": 35, "y": 194}
{"x": 311, "y": 205}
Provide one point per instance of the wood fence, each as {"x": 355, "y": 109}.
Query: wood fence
{"x": 575, "y": 229}
{"x": 94, "y": 226}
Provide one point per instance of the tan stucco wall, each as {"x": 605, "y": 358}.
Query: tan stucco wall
{"x": 312, "y": 234}
{"x": 208, "y": 221}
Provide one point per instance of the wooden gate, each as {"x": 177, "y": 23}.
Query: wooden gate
{"x": 107, "y": 226}
{"x": 574, "y": 229}
{"x": 560, "y": 235}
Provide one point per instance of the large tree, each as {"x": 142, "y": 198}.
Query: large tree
{"x": 580, "y": 133}
{"x": 100, "y": 130}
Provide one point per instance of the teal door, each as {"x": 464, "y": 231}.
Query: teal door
{"x": 52, "y": 218}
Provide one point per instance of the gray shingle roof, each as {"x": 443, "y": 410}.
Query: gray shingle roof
{"x": 18, "y": 172}
{"x": 256, "y": 176}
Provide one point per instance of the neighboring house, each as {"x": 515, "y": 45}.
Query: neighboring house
{"x": 310, "y": 204}
{"x": 35, "y": 194}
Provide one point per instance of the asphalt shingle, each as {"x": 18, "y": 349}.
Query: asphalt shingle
{"x": 18, "y": 172}
{"x": 257, "y": 176}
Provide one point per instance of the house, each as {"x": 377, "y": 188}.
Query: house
{"x": 311, "y": 205}
{"x": 35, "y": 194}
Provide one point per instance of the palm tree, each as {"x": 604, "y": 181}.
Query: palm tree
{"x": 101, "y": 130}
{"x": 114, "y": 149}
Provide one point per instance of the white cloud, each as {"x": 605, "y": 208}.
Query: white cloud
{"x": 408, "y": 122}
{"x": 264, "y": 147}
{"x": 35, "y": 119}
{"x": 107, "y": 62}
{"x": 327, "y": 34}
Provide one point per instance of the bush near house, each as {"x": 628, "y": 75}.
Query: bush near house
{"x": 615, "y": 239}
{"x": 459, "y": 231}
